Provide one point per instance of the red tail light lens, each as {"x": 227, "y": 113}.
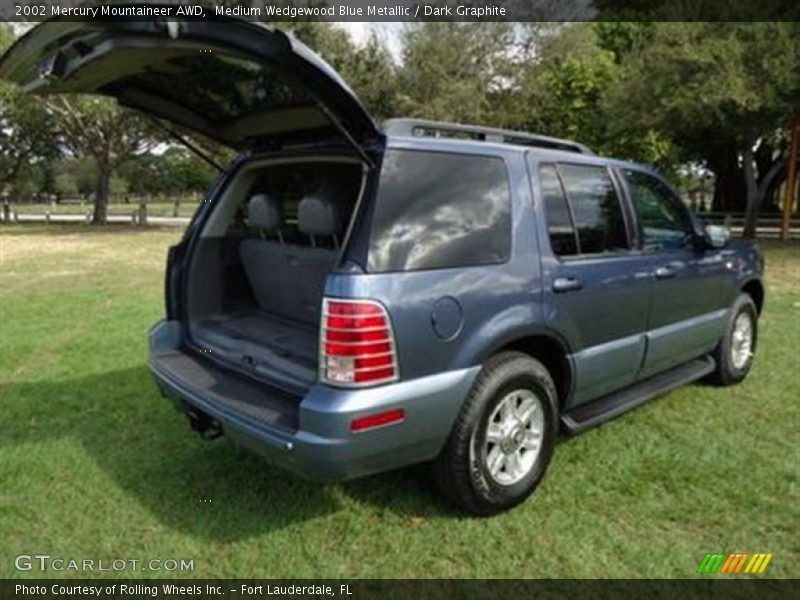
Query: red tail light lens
{"x": 389, "y": 417}
{"x": 356, "y": 344}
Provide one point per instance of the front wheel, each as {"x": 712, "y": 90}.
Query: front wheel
{"x": 734, "y": 354}
{"x": 503, "y": 438}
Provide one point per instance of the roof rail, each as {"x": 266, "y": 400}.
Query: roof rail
{"x": 423, "y": 127}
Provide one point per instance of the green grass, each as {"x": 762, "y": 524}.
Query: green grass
{"x": 93, "y": 463}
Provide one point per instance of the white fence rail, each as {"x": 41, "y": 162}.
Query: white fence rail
{"x": 768, "y": 225}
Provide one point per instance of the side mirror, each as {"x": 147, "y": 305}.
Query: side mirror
{"x": 716, "y": 236}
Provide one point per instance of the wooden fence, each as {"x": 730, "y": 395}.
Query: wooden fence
{"x": 769, "y": 225}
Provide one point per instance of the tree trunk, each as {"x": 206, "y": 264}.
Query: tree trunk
{"x": 101, "y": 195}
{"x": 728, "y": 182}
{"x": 751, "y": 186}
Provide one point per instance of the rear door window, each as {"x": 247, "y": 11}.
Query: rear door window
{"x": 561, "y": 229}
{"x": 596, "y": 209}
{"x": 437, "y": 210}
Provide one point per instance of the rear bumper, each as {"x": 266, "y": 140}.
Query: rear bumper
{"x": 318, "y": 444}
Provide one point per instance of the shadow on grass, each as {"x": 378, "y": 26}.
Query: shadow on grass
{"x": 211, "y": 490}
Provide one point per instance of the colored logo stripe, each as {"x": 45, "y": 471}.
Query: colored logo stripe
{"x": 734, "y": 563}
{"x": 710, "y": 563}
{"x": 758, "y": 563}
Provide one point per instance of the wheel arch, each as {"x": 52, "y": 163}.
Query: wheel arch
{"x": 755, "y": 289}
{"x": 552, "y": 352}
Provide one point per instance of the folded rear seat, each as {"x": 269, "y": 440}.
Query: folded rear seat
{"x": 289, "y": 280}
{"x": 317, "y": 216}
{"x": 264, "y": 260}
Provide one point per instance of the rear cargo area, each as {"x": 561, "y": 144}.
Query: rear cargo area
{"x": 257, "y": 274}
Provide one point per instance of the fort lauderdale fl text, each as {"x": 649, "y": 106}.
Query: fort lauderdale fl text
{"x": 268, "y": 10}
{"x": 168, "y": 589}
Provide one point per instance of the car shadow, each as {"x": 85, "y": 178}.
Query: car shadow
{"x": 212, "y": 490}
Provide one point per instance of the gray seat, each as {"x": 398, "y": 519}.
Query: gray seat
{"x": 317, "y": 216}
{"x": 289, "y": 280}
{"x": 263, "y": 260}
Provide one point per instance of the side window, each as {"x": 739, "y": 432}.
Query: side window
{"x": 437, "y": 210}
{"x": 664, "y": 220}
{"x": 559, "y": 221}
{"x": 596, "y": 209}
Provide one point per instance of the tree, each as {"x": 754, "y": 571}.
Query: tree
{"x": 452, "y": 71}
{"x": 175, "y": 171}
{"x": 717, "y": 90}
{"x": 97, "y": 127}
{"x": 563, "y": 72}
{"x": 368, "y": 70}
{"x": 561, "y": 84}
{"x": 372, "y": 74}
{"x": 26, "y": 130}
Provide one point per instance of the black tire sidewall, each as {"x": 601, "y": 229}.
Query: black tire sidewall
{"x": 515, "y": 375}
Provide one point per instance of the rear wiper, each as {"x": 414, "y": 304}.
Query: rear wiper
{"x": 186, "y": 143}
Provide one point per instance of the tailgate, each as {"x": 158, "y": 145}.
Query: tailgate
{"x": 228, "y": 393}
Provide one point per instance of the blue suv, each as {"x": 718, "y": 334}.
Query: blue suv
{"x": 352, "y": 298}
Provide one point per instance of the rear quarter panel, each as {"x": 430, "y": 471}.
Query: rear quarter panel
{"x": 497, "y": 302}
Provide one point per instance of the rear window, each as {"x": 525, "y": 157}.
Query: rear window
{"x": 436, "y": 210}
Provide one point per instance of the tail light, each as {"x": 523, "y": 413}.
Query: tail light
{"x": 356, "y": 344}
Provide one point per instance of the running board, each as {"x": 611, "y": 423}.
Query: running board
{"x": 598, "y": 411}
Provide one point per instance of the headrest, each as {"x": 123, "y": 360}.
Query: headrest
{"x": 318, "y": 215}
{"x": 264, "y": 212}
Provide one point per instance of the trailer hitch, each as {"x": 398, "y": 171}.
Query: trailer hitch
{"x": 206, "y": 426}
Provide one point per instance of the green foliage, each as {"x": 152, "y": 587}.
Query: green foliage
{"x": 76, "y": 176}
{"x": 372, "y": 75}
{"x": 563, "y": 84}
{"x": 708, "y": 84}
{"x": 562, "y": 89}
{"x": 327, "y": 40}
{"x": 713, "y": 90}
{"x": 661, "y": 93}
{"x": 26, "y": 135}
{"x": 622, "y": 37}
{"x": 96, "y": 127}
{"x": 6, "y": 36}
{"x": 175, "y": 171}
{"x": 369, "y": 70}
{"x": 450, "y": 71}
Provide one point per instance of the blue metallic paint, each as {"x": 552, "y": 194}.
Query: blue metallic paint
{"x": 323, "y": 448}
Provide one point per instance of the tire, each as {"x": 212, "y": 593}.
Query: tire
{"x": 730, "y": 367}
{"x": 511, "y": 386}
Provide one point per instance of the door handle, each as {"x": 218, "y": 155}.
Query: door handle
{"x": 664, "y": 273}
{"x": 566, "y": 284}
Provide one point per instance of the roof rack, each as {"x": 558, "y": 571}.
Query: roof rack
{"x": 426, "y": 128}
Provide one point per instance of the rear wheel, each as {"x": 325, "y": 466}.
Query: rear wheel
{"x": 503, "y": 438}
{"x": 734, "y": 354}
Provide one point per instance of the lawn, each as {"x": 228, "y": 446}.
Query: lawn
{"x": 94, "y": 464}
